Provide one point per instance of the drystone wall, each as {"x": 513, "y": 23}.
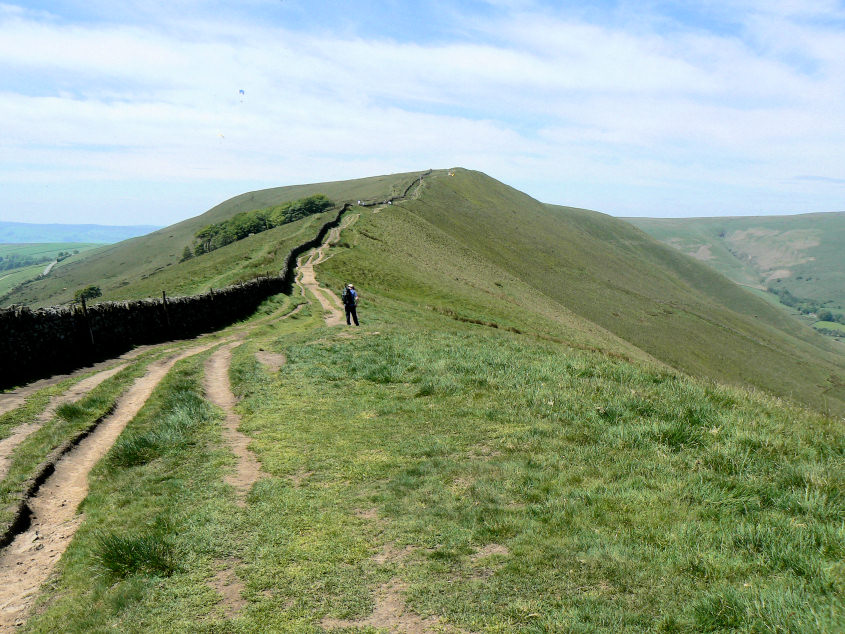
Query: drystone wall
{"x": 39, "y": 343}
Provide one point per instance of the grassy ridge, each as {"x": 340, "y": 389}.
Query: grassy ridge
{"x": 116, "y": 268}
{"x": 608, "y": 273}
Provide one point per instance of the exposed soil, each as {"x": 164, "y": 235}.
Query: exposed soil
{"x": 271, "y": 360}
{"x": 77, "y": 391}
{"x": 28, "y": 561}
{"x": 219, "y": 391}
{"x": 332, "y": 308}
{"x": 390, "y": 613}
{"x": 230, "y": 587}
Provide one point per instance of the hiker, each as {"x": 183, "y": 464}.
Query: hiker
{"x": 350, "y": 301}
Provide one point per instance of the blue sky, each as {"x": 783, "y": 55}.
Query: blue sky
{"x": 130, "y": 112}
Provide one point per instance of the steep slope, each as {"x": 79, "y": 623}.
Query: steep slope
{"x": 137, "y": 267}
{"x": 591, "y": 266}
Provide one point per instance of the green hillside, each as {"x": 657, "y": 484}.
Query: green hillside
{"x": 500, "y": 447}
{"x": 484, "y": 251}
{"x": 602, "y": 270}
{"x": 144, "y": 266}
{"x": 800, "y": 253}
{"x": 44, "y": 253}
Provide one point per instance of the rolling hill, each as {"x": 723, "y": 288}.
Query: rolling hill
{"x": 141, "y": 267}
{"x": 530, "y": 431}
{"x": 505, "y": 258}
{"x": 800, "y": 253}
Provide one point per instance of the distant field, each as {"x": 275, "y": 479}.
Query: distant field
{"x": 11, "y": 278}
{"x": 801, "y": 254}
{"x": 830, "y": 325}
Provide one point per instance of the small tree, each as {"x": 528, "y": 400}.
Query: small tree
{"x": 89, "y": 292}
{"x": 186, "y": 254}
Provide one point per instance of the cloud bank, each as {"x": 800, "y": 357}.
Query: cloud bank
{"x": 139, "y": 116}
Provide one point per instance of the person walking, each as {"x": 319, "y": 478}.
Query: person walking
{"x": 350, "y": 302}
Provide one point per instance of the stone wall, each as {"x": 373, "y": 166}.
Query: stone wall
{"x": 39, "y": 343}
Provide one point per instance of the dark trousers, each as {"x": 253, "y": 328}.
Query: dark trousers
{"x": 351, "y": 312}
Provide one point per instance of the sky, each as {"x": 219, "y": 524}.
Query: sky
{"x": 153, "y": 111}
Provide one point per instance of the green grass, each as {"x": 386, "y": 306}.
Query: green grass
{"x": 144, "y": 266}
{"x": 800, "y": 253}
{"x": 830, "y": 325}
{"x": 535, "y": 475}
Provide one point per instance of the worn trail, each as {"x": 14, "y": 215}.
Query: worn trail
{"x": 21, "y": 433}
{"x": 219, "y": 391}
{"x": 17, "y": 397}
{"x": 334, "y": 314}
{"x": 28, "y": 561}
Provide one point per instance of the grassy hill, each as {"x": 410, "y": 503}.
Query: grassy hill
{"x": 800, "y": 253}
{"x": 590, "y": 266}
{"x": 146, "y": 265}
{"x": 477, "y": 457}
{"x": 10, "y": 278}
{"x": 473, "y": 248}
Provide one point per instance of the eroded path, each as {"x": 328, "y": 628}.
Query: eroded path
{"x": 219, "y": 391}
{"x": 28, "y": 561}
{"x": 19, "y": 434}
{"x": 15, "y": 398}
{"x": 332, "y": 308}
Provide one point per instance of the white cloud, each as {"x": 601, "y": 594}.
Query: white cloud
{"x": 554, "y": 104}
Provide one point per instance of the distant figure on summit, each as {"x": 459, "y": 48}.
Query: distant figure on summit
{"x": 350, "y": 301}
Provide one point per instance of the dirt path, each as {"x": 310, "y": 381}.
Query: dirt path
{"x": 28, "y": 561}
{"x": 19, "y": 434}
{"x": 332, "y": 307}
{"x": 15, "y": 398}
{"x": 219, "y": 391}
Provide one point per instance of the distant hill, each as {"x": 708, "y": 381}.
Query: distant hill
{"x": 800, "y": 256}
{"x": 22, "y": 232}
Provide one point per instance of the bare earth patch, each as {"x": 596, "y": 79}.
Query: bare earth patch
{"x": 489, "y": 550}
{"x": 230, "y": 588}
{"x": 271, "y": 360}
{"x": 390, "y": 613}
{"x": 219, "y": 391}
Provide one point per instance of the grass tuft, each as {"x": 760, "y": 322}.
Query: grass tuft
{"x": 119, "y": 557}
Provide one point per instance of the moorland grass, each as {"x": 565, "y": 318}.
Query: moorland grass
{"x": 626, "y": 498}
{"x": 501, "y": 479}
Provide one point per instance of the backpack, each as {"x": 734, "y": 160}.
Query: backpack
{"x": 349, "y": 296}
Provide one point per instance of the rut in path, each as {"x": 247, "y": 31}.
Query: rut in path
{"x": 17, "y": 397}
{"x": 21, "y": 433}
{"x": 219, "y": 391}
{"x": 28, "y": 561}
{"x": 334, "y": 314}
